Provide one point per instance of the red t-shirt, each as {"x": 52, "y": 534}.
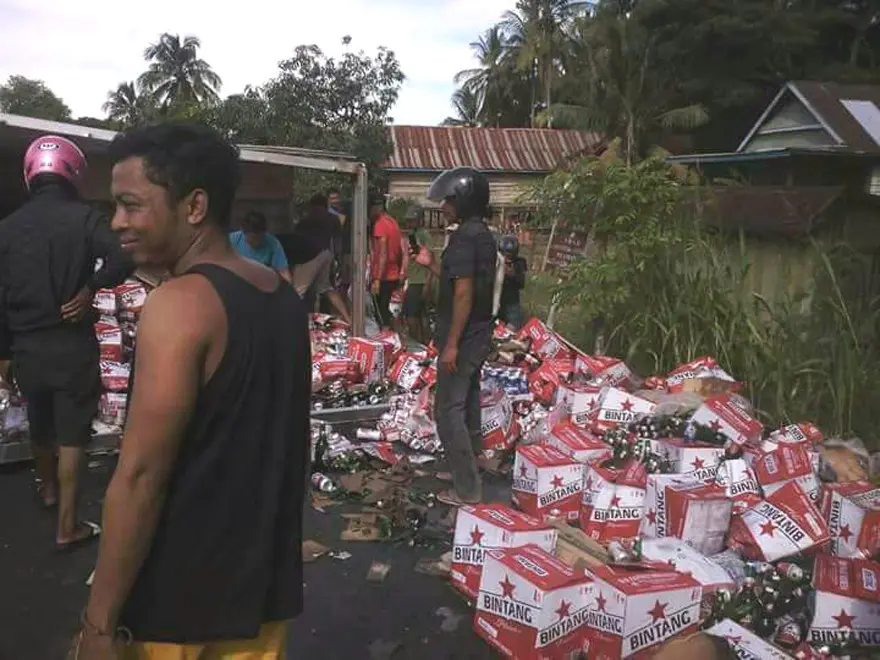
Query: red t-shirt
{"x": 386, "y": 227}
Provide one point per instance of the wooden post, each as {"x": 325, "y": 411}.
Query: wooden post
{"x": 359, "y": 250}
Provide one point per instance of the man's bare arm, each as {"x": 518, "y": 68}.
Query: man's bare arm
{"x": 381, "y": 258}
{"x": 286, "y": 275}
{"x": 172, "y": 345}
{"x": 462, "y": 302}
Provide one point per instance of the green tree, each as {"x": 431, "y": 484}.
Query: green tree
{"x": 622, "y": 94}
{"x": 536, "y": 32}
{"x": 319, "y": 102}
{"x": 177, "y": 77}
{"x": 31, "y": 98}
{"x": 468, "y": 108}
{"x": 126, "y": 107}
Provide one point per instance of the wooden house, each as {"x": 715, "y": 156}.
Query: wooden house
{"x": 513, "y": 158}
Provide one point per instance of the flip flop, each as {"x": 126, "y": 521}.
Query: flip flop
{"x": 41, "y": 498}
{"x": 70, "y": 546}
{"x": 443, "y": 476}
{"x": 451, "y": 498}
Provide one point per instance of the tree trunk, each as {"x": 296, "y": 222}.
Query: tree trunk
{"x": 534, "y": 94}
{"x": 548, "y": 87}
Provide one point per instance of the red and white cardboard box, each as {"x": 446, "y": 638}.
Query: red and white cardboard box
{"x": 115, "y": 375}
{"x": 785, "y": 524}
{"x": 804, "y": 435}
{"x": 681, "y": 557}
{"x": 327, "y": 367}
{"x": 109, "y": 336}
{"x": 112, "y": 408}
{"x": 531, "y": 605}
{"x": 698, "y": 460}
{"x": 738, "y": 480}
{"x": 605, "y": 370}
{"x": 575, "y": 402}
{"x": 407, "y": 371}
{"x": 696, "y": 513}
{"x": 547, "y": 483}
{"x": 618, "y": 407}
{"x": 578, "y": 443}
{"x": 632, "y": 611}
{"x": 845, "y": 601}
{"x": 852, "y": 511}
{"x": 546, "y": 379}
{"x": 784, "y": 464}
{"x": 720, "y": 413}
{"x": 105, "y": 302}
{"x": 370, "y": 357}
{"x": 746, "y": 644}
{"x": 393, "y": 345}
{"x": 544, "y": 342}
{"x": 613, "y": 501}
{"x": 485, "y": 527}
{"x": 497, "y": 423}
{"x": 703, "y": 368}
{"x": 131, "y": 296}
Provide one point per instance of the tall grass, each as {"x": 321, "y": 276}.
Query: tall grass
{"x": 808, "y": 356}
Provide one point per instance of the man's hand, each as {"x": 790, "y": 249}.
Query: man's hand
{"x": 449, "y": 359}
{"x": 88, "y": 646}
{"x": 425, "y": 257}
{"x": 374, "y": 288}
{"x": 76, "y": 308}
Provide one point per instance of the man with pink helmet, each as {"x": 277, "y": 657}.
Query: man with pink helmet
{"x": 48, "y": 252}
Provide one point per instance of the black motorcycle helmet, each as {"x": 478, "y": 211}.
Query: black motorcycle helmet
{"x": 509, "y": 246}
{"x": 466, "y": 188}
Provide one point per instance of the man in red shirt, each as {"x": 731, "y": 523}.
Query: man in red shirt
{"x": 387, "y": 259}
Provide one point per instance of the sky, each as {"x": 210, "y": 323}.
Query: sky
{"x": 83, "y": 49}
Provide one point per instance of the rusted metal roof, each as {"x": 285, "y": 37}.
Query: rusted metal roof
{"x": 514, "y": 150}
{"x": 787, "y": 211}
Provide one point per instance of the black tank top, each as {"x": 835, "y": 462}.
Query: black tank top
{"x": 227, "y": 554}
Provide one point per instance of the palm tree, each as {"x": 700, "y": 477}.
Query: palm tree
{"x": 126, "y": 107}
{"x": 468, "y": 106}
{"x": 177, "y": 76}
{"x": 491, "y": 80}
{"x": 536, "y": 32}
{"x": 622, "y": 94}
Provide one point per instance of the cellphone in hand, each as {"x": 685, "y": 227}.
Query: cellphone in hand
{"x": 413, "y": 243}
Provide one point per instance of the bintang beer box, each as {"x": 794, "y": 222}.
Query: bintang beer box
{"x": 547, "y": 483}
{"x": 613, "y": 501}
{"x": 632, "y": 611}
{"x": 846, "y": 601}
{"x": 580, "y": 444}
{"x": 532, "y": 606}
{"x": 852, "y": 511}
{"x": 722, "y": 414}
{"x": 746, "y": 644}
{"x": 485, "y": 527}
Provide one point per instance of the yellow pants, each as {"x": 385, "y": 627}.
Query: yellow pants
{"x": 270, "y": 645}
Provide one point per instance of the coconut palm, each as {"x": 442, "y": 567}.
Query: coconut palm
{"x": 126, "y": 107}
{"x": 621, "y": 93}
{"x": 536, "y": 32}
{"x": 468, "y": 107}
{"x": 177, "y": 77}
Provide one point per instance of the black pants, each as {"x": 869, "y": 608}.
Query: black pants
{"x": 58, "y": 375}
{"x": 383, "y": 302}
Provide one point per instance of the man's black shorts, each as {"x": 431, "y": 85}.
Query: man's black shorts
{"x": 59, "y": 377}
{"x": 414, "y": 301}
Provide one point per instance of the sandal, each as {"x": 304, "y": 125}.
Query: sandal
{"x": 443, "y": 476}
{"x": 94, "y": 531}
{"x": 43, "y": 501}
{"x": 451, "y": 498}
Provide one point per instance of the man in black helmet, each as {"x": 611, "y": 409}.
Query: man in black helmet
{"x": 466, "y": 277}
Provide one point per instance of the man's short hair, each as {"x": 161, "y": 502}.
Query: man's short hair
{"x": 333, "y": 191}
{"x": 185, "y": 157}
{"x": 255, "y": 222}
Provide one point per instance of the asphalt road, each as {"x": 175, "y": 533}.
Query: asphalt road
{"x": 41, "y": 592}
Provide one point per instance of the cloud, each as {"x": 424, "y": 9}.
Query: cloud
{"x": 84, "y": 49}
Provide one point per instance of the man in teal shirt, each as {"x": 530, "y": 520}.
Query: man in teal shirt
{"x": 255, "y": 243}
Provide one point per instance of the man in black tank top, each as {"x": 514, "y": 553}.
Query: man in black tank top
{"x": 202, "y": 541}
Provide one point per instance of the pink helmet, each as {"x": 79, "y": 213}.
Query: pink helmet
{"x": 52, "y": 154}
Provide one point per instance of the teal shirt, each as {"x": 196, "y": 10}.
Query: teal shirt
{"x": 270, "y": 253}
